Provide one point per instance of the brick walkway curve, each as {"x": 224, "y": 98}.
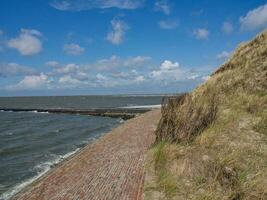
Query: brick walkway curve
{"x": 110, "y": 169}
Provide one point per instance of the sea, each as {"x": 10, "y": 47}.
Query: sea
{"x": 32, "y": 143}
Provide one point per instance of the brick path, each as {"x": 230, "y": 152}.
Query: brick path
{"x": 110, "y": 169}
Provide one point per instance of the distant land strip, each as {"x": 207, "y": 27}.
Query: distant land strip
{"x": 124, "y": 113}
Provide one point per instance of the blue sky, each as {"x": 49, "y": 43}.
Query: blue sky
{"x": 67, "y": 47}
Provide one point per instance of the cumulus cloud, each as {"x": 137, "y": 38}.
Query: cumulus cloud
{"x": 167, "y": 70}
{"x": 205, "y": 78}
{"x": 27, "y": 43}
{"x": 120, "y": 72}
{"x": 69, "y": 81}
{"x": 100, "y": 76}
{"x": 74, "y": 5}
{"x": 193, "y": 76}
{"x": 14, "y": 69}
{"x": 52, "y": 63}
{"x": 73, "y": 49}
{"x": 139, "y": 79}
{"x": 201, "y": 34}
{"x": 223, "y": 55}
{"x": 168, "y": 65}
{"x": 227, "y": 27}
{"x": 115, "y": 62}
{"x": 68, "y": 68}
{"x": 170, "y": 73}
{"x": 163, "y": 6}
{"x": 254, "y": 19}
{"x": 117, "y": 35}
{"x": 168, "y": 24}
{"x": 136, "y": 61}
{"x": 31, "y": 82}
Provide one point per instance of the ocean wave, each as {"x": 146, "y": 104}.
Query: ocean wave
{"x": 36, "y": 111}
{"x": 32, "y": 111}
{"x": 143, "y": 106}
{"x": 42, "y": 169}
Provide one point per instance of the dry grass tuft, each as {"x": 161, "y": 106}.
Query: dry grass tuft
{"x": 184, "y": 118}
{"x": 212, "y": 143}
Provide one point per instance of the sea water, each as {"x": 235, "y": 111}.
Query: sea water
{"x": 31, "y": 143}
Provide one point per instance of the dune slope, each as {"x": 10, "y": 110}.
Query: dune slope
{"x": 212, "y": 142}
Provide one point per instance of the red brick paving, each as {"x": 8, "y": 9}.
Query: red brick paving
{"x": 110, "y": 169}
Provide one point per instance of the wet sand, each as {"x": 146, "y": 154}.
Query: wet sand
{"x": 111, "y": 168}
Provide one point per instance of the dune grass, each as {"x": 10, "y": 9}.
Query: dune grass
{"x": 212, "y": 143}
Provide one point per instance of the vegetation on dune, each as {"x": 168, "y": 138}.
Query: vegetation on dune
{"x": 212, "y": 143}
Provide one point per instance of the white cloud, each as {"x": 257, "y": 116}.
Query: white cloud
{"x": 31, "y": 82}
{"x": 74, "y": 5}
{"x": 69, "y": 81}
{"x": 168, "y": 65}
{"x": 27, "y": 43}
{"x": 201, "y": 34}
{"x": 167, "y": 70}
{"x": 139, "y": 79}
{"x": 193, "y": 76}
{"x": 117, "y": 35}
{"x": 122, "y": 73}
{"x": 73, "y": 49}
{"x": 67, "y": 69}
{"x": 205, "y": 78}
{"x": 227, "y": 27}
{"x": 163, "y": 6}
{"x": 1, "y": 32}
{"x": 223, "y": 55}
{"x": 101, "y": 77}
{"x": 106, "y": 64}
{"x": 52, "y": 63}
{"x": 31, "y": 32}
{"x": 136, "y": 61}
{"x": 254, "y": 19}
{"x": 168, "y": 24}
{"x": 171, "y": 73}
{"x": 115, "y": 62}
{"x": 14, "y": 69}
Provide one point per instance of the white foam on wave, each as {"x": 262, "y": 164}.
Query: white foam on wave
{"x": 143, "y": 106}
{"x": 44, "y": 112}
{"x": 35, "y": 111}
{"x": 42, "y": 169}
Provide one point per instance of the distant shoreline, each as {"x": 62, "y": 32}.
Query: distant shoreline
{"x": 123, "y": 112}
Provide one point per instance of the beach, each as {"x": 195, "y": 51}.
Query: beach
{"x": 110, "y": 168}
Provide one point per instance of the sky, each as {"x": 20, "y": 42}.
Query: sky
{"x": 93, "y": 47}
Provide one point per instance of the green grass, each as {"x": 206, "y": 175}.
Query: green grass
{"x": 165, "y": 181}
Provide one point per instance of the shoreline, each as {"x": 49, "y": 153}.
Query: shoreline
{"x": 123, "y": 112}
{"x": 71, "y": 158}
{"x": 57, "y": 165}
